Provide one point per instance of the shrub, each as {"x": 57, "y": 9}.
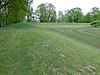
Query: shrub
{"x": 95, "y": 23}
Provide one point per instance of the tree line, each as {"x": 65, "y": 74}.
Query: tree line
{"x": 76, "y": 15}
{"x": 47, "y": 13}
{"x": 14, "y": 11}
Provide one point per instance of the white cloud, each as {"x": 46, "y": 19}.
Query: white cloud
{"x": 62, "y": 5}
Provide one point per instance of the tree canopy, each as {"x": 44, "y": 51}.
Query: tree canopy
{"x": 13, "y": 11}
{"x": 46, "y": 12}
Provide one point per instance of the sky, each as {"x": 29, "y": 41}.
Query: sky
{"x": 62, "y": 5}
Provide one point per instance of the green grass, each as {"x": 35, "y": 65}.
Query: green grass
{"x": 37, "y": 49}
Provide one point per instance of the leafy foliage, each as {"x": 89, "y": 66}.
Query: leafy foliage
{"x": 46, "y": 12}
{"x": 60, "y": 16}
{"x": 76, "y": 15}
{"x": 13, "y": 11}
{"x": 72, "y": 15}
{"x": 95, "y": 23}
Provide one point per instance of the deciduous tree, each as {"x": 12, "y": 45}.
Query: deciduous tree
{"x": 46, "y": 12}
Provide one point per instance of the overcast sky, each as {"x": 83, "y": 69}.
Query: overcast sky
{"x": 62, "y": 5}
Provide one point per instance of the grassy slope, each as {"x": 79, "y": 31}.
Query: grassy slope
{"x": 27, "y": 49}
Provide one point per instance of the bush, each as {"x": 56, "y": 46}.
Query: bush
{"x": 95, "y": 23}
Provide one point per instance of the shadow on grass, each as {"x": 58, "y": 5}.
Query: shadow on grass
{"x": 20, "y": 26}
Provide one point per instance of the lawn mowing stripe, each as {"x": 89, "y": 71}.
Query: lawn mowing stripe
{"x": 78, "y": 37}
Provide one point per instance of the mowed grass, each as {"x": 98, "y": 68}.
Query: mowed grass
{"x": 49, "y": 49}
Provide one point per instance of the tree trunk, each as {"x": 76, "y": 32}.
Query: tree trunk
{"x": 0, "y": 25}
{"x": 6, "y": 15}
{"x": 28, "y": 18}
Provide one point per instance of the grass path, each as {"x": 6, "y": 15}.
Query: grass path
{"x": 31, "y": 49}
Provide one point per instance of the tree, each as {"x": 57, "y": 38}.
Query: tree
{"x": 51, "y": 13}
{"x": 95, "y": 13}
{"x": 30, "y": 11}
{"x": 13, "y": 11}
{"x": 88, "y": 18}
{"x": 46, "y": 12}
{"x": 2, "y": 18}
{"x": 75, "y": 15}
{"x": 41, "y": 13}
{"x": 60, "y": 16}
{"x": 66, "y": 15}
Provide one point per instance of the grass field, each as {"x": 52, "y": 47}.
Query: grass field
{"x": 49, "y": 49}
